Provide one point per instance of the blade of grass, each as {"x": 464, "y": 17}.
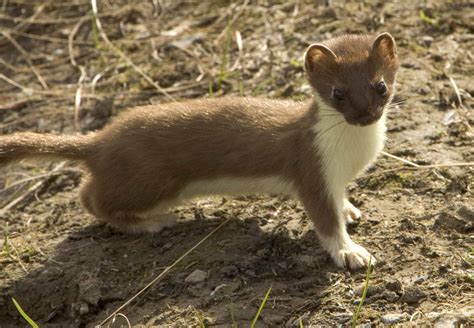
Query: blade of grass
{"x": 264, "y": 301}
{"x": 232, "y": 316}
{"x": 223, "y": 68}
{"x": 199, "y": 318}
{"x": 211, "y": 89}
{"x": 364, "y": 294}
{"x": 6, "y": 245}
{"x": 427, "y": 19}
{"x": 24, "y": 315}
{"x": 241, "y": 88}
{"x": 301, "y": 323}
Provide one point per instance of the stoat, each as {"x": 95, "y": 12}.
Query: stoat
{"x": 152, "y": 158}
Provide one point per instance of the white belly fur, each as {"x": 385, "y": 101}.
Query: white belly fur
{"x": 224, "y": 186}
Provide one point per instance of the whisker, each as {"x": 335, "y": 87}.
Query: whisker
{"x": 330, "y": 115}
{"x": 340, "y": 137}
{"x": 330, "y": 128}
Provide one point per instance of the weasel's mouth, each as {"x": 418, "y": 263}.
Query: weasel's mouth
{"x": 364, "y": 120}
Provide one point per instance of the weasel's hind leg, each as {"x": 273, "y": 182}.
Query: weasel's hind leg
{"x": 132, "y": 223}
{"x": 126, "y": 212}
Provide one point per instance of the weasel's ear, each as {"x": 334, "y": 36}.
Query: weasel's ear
{"x": 316, "y": 53}
{"x": 384, "y": 46}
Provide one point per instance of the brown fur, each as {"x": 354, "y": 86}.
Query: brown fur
{"x": 149, "y": 154}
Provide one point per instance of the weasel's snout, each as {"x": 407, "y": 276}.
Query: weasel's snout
{"x": 364, "y": 120}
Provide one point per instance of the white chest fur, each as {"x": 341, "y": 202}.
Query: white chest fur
{"x": 346, "y": 150}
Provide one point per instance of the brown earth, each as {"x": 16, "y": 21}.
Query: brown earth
{"x": 67, "y": 270}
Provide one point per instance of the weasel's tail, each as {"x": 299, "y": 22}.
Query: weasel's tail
{"x": 29, "y": 145}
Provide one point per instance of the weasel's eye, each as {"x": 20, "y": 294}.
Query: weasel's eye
{"x": 381, "y": 88}
{"x": 338, "y": 94}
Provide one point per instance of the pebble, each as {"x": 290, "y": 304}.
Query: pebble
{"x": 229, "y": 271}
{"x": 447, "y": 321}
{"x": 307, "y": 260}
{"x": 466, "y": 213}
{"x": 342, "y": 317}
{"x": 451, "y": 319}
{"x": 167, "y": 246}
{"x": 83, "y": 308}
{"x": 413, "y": 294}
{"x": 390, "y": 296}
{"x": 392, "y": 318}
{"x": 196, "y": 276}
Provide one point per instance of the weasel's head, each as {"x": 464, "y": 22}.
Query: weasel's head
{"x": 354, "y": 75}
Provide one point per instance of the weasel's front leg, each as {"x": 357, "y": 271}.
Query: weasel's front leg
{"x": 331, "y": 230}
{"x": 350, "y": 212}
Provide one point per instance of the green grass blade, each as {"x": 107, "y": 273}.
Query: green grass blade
{"x": 364, "y": 294}
{"x": 254, "y": 321}
{"x": 427, "y": 19}
{"x": 225, "y": 57}
{"x": 24, "y": 315}
{"x": 301, "y": 323}
{"x": 211, "y": 89}
{"x": 232, "y": 316}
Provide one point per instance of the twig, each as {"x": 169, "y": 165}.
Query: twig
{"x": 71, "y": 39}
{"x": 36, "y": 177}
{"x": 27, "y": 58}
{"x": 26, "y": 21}
{"x": 129, "y": 325}
{"x": 78, "y": 97}
{"x": 456, "y": 90}
{"x": 18, "y": 104}
{"x": 45, "y": 38}
{"x": 17, "y": 257}
{"x": 235, "y": 17}
{"x": 26, "y": 90}
{"x": 30, "y": 190}
{"x": 54, "y": 93}
{"x": 122, "y": 54}
{"x": 238, "y": 40}
{"x": 423, "y": 167}
{"x": 32, "y": 19}
{"x": 164, "y": 272}
{"x": 400, "y": 159}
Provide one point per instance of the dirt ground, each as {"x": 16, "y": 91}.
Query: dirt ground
{"x": 67, "y": 270}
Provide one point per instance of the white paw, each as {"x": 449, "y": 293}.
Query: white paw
{"x": 353, "y": 257}
{"x": 350, "y": 212}
{"x": 155, "y": 224}
{"x": 346, "y": 253}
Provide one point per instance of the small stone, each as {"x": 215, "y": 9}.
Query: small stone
{"x": 446, "y": 321}
{"x": 245, "y": 313}
{"x": 372, "y": 290}
{"x": 392, "y": 318}
{"x": 390, "y": 296}
{"x": 196, "y": 276}
{"x": 342, "y": 317}
{"x": 273, "y": 319}
{"x": 420, "y": 279}
{"x": 229, "y": 271}
{"x": 413, "y": 294}
{"x": 307, "y": 260}
{"x": 83, "y": 308}
{"x": 426, "y": 41}
{"x": 452, "y": 319}
{"x": 166, "y": 246}
{"x": 446, "y": 220}
{"x": 466, "y": 213}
